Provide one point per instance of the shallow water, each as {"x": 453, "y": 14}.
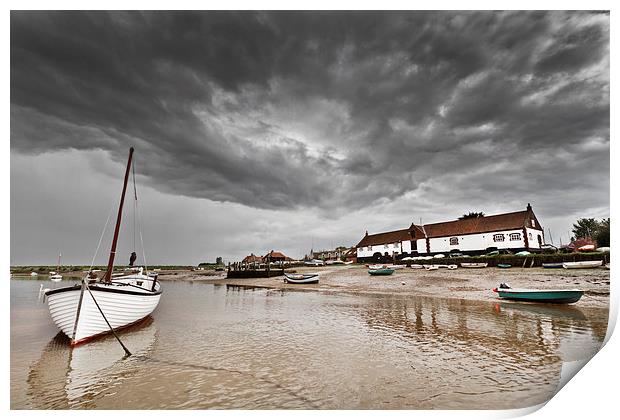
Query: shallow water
{"x": 210, "y": 346}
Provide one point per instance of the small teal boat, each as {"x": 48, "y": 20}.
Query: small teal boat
{"x": 381, "y": 272}
{"x": 536, "y": 295}
{"x": 504, "y": 265}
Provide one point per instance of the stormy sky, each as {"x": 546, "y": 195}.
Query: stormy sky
{"x": 286, "y": 130}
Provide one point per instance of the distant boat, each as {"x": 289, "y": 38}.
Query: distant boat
{"x": 586, "y": 248}
{"x": 523, "y": 254}
{"x": 417, "y": 266}
{"x": 376, "y": 266}
{"x": 452, "y": 266}
{"x": 431, "y": 267}
{"x": 332, "y": 262}
{"x": 504, "y": 265}
{"x": 301, "y": 278}
{"x": 33, "y": 274}
{"x": 474, "y": 265}
{"x": 348, "y": 262}
{"x": 552, "y": 265}
{"x": 54, "y": 276}
{"x": 603, "y": 249}
{"x": 439, "y": 256}
{"x": 538, "y": 295}
{"x": 84, "y": 311}
{"x": 582, "y": 264}
{"x": 381, "y": 272}
{"x": 492, "y": 253}
{"x": 396, "y": 266}
{"x": 315, "y": 263}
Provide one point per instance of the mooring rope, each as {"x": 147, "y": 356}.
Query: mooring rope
{"x": 127, "y": 352}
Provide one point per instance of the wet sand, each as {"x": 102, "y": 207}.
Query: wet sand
{"x": 463, "y": 283}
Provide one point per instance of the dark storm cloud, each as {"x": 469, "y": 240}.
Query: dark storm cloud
{"x": 327, "y": 109}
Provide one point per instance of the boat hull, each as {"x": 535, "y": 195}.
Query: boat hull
{"x": 381, "y": 272}
{"x": 75, "y": 313}
{"x": 474, "y": 265}
{"x": 542, "y": 296}
{"x": 301, "y": 279}
{"x": 582, "y": 264}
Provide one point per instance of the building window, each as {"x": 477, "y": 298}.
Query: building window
{"x": 515, "y": 236}
{"x": 370, "y": 248}
{"x": 499, "y": 237}
{"x": 533, "y": 223}
{"x": 530, "y": 235}
{"x": 454, "y": 241}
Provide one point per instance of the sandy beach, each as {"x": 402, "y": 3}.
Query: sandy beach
{"x": 470, "y": 284}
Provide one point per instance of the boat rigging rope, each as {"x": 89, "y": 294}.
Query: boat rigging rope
{"x": 135, "y": 202}
{"x": 101, "y": 238}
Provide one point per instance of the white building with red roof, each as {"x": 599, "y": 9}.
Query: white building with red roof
{"x": 514, "y": 231}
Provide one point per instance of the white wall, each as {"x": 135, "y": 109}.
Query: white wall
{"x": 395, "y": 247}
{"x": 476, "y": 242}
{"x": 534, "y": 240}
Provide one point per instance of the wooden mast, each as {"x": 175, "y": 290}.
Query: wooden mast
{"x": 108, "y": 273}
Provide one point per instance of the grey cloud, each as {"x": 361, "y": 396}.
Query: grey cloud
{"x": 209, "y": 98}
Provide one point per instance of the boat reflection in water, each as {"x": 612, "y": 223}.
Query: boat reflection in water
{"x": 66, "y": 377}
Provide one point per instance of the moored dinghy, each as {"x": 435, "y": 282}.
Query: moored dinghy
{"x": 474, "y": 265}
{"x": 84, "y": 311}
{"x": 301, "y": 278}
{"x": 582, "y": 264}
{"x": 552, "y": 265}
{"x": 539, "y": 295}
{"x": 381, "y": 272}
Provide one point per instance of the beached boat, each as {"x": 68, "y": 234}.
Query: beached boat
{"x": 523, "y": 254}
{"x": 586, "y": 248}
{"x": 376, "y": 266}
{"x": 582, "y": 264}
{"x": 301, "y": 278}
{"x": 381, "y": 272}
{"x": 552, "y": 265}
{"x": 348, "y": 262}
{"x": 474, "y": 265}
{"x": 439, "y": 256}
{"x": 417, "y": 266}
{"x": 539, "y": 295}
{"x": 396, "y": 266}
{"x": 452, "y": 266}
{"x": 33, "y": 274}
{"x": 87, "y": 310}
{"x": 504, "y": 265}
{"x": 431, "y": 267}
{"x": 334, "y": 262}
{"x": 315, "y": 263}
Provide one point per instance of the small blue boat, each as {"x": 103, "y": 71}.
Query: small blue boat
{"x": 504, "y": 265}
{"x": 538, "y": 295}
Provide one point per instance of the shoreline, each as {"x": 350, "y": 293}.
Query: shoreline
{"x": 462, "y": 283}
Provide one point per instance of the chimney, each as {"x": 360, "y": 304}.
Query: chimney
{"x": 529, "y": 207}
{"x": 366, "y": 233}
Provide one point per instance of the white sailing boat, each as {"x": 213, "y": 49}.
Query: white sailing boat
{"x": 54, "y": 276}
{"x": 94, "y": 307}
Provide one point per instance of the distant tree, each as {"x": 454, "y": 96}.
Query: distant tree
{"x": 585, "y": 228}
{"x": 472, "y": 215}
{"x": 602, "y": 235}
